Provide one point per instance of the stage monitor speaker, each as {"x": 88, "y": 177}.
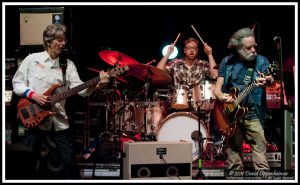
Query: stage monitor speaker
{"x": 33, "y": 21}
{"x": 157, "y": 160}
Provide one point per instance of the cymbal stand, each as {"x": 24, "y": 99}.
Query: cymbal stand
{"x": 107, "y": 109}
{"x": 145, "y": 105}
{"x": 114, "y": 98}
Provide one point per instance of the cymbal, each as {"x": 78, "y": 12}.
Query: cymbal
{"x": 116, "y": 58}
{"x": 149, "y": 73}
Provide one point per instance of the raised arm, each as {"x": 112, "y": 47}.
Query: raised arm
{"x": 162, "y": 63}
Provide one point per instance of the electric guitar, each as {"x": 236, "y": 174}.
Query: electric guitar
{"x": 226, "y": 115}
{"x": 32, "y": 114}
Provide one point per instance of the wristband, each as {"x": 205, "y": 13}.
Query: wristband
{"x": 30, "y": 94}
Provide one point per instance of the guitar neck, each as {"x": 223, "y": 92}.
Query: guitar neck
{"x": 242, "y": 96}
{"x": 92, "y": 82}
{"x": 70, "y": 92}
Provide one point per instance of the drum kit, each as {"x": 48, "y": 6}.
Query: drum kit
{"x": 144, "y": 120}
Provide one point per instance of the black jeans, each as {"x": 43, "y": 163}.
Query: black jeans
{"x": 62, "y": 143}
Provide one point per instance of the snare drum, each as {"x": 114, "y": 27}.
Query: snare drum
{"x": 203, "y": 95}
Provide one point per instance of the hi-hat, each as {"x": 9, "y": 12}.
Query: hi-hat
{"x": 148, "y": 73}
{"x": 116, "y": 58}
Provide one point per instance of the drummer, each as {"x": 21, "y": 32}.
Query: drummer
{"x": 189, "y": 70}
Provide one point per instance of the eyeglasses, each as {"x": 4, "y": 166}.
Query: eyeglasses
{"x": 191, "y": 48}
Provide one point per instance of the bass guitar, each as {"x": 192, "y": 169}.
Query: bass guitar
{"x": 32, "y": 114}
{"x": 226, "y": 115}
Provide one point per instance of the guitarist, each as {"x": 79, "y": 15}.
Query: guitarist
{"x": 36, "y": 74}
{"x": 238, "y": 70}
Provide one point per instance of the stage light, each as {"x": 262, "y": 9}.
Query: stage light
{"x": 173, "y": 55}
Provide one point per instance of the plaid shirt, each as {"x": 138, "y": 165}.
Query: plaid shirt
{"x": 182, "y": 76}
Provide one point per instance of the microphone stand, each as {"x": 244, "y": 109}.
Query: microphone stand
{"x": 279, "y": 49}
{"x": 200, "y": 174}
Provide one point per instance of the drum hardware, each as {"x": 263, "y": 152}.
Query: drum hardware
{"x": 216, "y": 150}
{"x": 200, "y": 174}
{"x": 221, "y": 146}
{"x": 149, "y": 75}
{"x": 158, "y": 95}
{"x": 145, "y": 106}
{"x": 202, "y": 95}
{"x": 145, "y": 72}
{"x": 110, "y": 102}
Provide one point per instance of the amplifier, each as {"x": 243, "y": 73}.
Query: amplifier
{"x": 8, "y": 96}
{"x": 33, "y": 21}
{"x": 157, "y": 160}
{"x": 273, "y": 158}
{"x": 10, "y": 64}
{"x": 211, "y": 173}
{"x": 273, "y": 95}
{"x": 89, "y": 170}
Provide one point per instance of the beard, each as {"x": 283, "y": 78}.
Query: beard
{"x": 248, "y": 56}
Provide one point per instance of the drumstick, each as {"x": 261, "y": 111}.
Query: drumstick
{"x": 198, "y": 35}
{"x": 176, "y": 39}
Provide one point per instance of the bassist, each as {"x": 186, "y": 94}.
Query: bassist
{"x": 36, "y": 74}
{"x": 236, "y": 71}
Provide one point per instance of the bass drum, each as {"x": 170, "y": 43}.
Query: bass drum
{"x": 183, "y": 126}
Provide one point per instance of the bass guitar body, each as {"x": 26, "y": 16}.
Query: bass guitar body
{"x": 32, "y": 114}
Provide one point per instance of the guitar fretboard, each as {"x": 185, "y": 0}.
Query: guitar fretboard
{"x": 70, "y": 92}
{"x": 272, "y": 69}
{"x": 92, "y": 82}
{"x": 240, "y": 98}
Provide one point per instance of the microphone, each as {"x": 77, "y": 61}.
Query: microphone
{"x": 276, "y": 38}
{"x": 151, "y": 62}
{"x": 254, "y": 26}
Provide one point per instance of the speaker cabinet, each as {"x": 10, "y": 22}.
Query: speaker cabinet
{"x": 157, "y": 160}
{"x": 33, "y": 21}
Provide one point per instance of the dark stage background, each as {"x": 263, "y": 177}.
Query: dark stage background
{"x": 142, "y": 31}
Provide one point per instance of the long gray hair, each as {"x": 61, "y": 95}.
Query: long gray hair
{"x": 235, "y": 40}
